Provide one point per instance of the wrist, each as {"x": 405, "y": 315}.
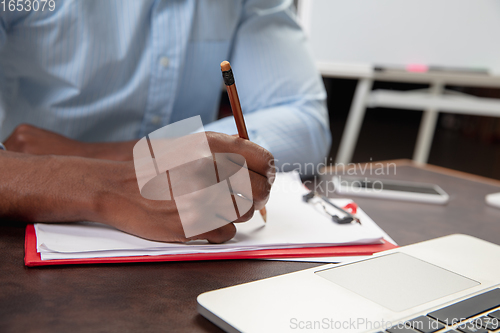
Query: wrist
{"x": 90, "y": 189}
{"x": 95, "y": 189}
{"x": 117, "y": 185}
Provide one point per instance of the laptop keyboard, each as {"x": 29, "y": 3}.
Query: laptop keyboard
{"x": 478, "y": 314}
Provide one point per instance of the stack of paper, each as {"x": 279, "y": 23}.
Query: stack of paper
{"x": 292, "y": 223}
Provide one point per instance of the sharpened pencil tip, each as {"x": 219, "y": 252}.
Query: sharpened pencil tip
{"x": 263, "y": 212}
{"x": 225, "y": 66}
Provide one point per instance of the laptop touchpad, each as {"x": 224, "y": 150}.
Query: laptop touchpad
{"x": 397, "y": 281}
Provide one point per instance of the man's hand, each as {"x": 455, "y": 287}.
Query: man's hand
{"x": 125, "y": 208}
{"x": 68, "y": 189}
{"x": 33, "y": 140}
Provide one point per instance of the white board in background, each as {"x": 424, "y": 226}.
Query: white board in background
{"x": 362, "y": 33}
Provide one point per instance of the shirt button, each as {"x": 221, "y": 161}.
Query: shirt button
{"x": 164, "y": 61}
{"x": 156, "y": 120}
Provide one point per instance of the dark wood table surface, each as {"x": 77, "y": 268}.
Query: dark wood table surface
{"x": 161, "y": 297}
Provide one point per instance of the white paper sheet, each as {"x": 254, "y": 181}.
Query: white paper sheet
{"x": 291, "y": 223}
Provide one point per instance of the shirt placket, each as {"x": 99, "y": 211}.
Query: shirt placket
{"x": 170, "y": 29}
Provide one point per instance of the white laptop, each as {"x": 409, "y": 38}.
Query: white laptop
{"x": 425, "y": 287}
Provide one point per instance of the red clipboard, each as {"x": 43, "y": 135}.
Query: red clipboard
{"x": 32, "y": 257}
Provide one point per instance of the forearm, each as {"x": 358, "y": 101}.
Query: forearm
{"x": 71, "y": 189}
{"x": 47, "y": 188}
{"x": 32, "y": 140}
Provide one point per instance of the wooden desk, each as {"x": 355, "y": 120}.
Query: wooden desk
{"x": 161, "y": 297}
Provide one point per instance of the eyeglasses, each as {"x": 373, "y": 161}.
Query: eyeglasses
{"x": 318, "y": 200}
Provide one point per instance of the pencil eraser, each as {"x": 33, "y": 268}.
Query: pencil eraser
{"x": 418, "y": 68}
{"x": 225, "y": 66}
